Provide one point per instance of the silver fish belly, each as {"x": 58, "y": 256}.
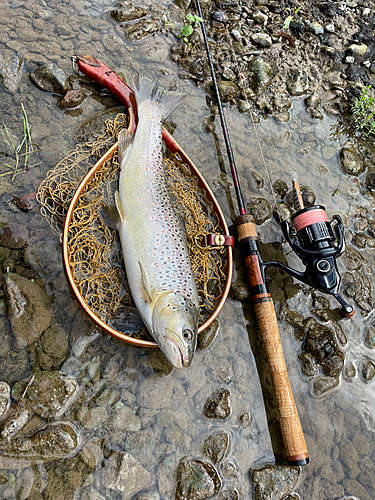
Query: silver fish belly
{"x": 152, "y": 236}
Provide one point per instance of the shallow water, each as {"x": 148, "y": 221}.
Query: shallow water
{"x": 126, "y": 404}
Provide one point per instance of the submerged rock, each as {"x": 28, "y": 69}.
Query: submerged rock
{"x": 321, "y": 343}
{"x": 323, "y": 384}
{"x": 274, "y": 482}
{"x": 208, "y": 335}
{"x": 196, "y": 480}
{"x": 141, "y": 29}
{"x": 72, "y": 99}
{"x": 11, "y": 71}
{"x": 29, "y": 308}
{"x": 367, "y": 370}
{"x": 369, "y": 337}
{"x": 218, "y": 406}
{"x": 124, "y": 475}
{"x": 260, "y": 209}
{"x": 216, "y": 446}
{"x": 4, "y": 399}
{"x": 51, "y": 78}
{"x": 351, "y": 162}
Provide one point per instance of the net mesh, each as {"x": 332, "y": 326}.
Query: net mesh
{"x": 94, "y": 249}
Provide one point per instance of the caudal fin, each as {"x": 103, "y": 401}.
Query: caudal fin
{"x": 146, "y": 89}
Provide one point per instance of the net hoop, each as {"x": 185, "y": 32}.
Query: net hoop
{"x": 174, "y": 148}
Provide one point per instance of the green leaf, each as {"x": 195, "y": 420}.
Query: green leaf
{"x": 187, "y": 30}
{"x": 287, "y": 22}
{"x": 190, "y": 18}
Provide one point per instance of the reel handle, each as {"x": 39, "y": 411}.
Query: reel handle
{"x": 290, "y": 425}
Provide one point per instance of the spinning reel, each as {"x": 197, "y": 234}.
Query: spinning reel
{"x": 318, "y": 243}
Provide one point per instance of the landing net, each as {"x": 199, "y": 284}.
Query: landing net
{"x": 94, "y": 249}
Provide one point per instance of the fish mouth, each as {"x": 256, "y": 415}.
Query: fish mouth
{"x": 183, "y": 361}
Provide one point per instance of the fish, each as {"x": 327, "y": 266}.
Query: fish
{"x": 152, "y": 235}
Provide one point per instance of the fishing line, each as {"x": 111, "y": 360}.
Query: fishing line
{"x": 242, "y": 87}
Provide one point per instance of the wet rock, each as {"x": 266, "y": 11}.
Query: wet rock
{"x": 127, "y": 12}
{"x": 313, "y": 100}
{"x": 11, "y": 70}
{"x": 72, "y": 99}
{"x": 4, "y": 399}
{"x": 297, "y": 83}
{"x": 350, "y": 371}
{"x": 50, "y": 78}
{"x": 228, "y": 90}
{"x": 239, "y": 290}
{"x": 245, "y": 419}
{"x": 260, "y": 209}
{"x": 243, "y": 106}
{"x": 367, "y": 370}
{"x": 307, "y": 364}
{"x": 229, "y": 469}
{"x": 348, "y": 454}
{"x": 281, "y": 117}
{"x": 229, "y": 495}
{"x": 314, "y": 27}
{"x": 361, "y": 240}
{"x": 282, "y": 212}
{"x": 323, "y": 384}
{"x": 257, "y": 179}
{"x": 159, "y": 362}
{"x": 124, "y": 418}
{"x": 281, "y": 188}
{"x": 124, "y": 475}
{"x": 370, "y": 179}
{"x": 216, "y": 446}
{"x": 260, "y": 17}
{"x": 358, "y": 51}
{"x": 369, "y": 337}
{"x": 261, "y": 40}
{"x": 308, "y": 197}
{"x": 274, "y": 482}
{"x": 350, "y": 161}
{"x": 352, "y": 259}
{"x": 29, "y": 308}
{"x": 321, "y": 343}
{"x": 281, "y": 102}
{"x": 208, "y": 335}
{"x": 196, "y": 480}
{"x": 262, "y": 72}
{"x": 55, "y": 441}
{"x": 141, "y": 29}
{"x": 13, "y": 236}
{"x": 218, "y": 405}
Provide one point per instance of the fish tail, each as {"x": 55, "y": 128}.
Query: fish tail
{"x": 146, "y": 89}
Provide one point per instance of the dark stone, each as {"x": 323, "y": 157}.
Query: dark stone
{"x": 216, "y": 446}
{"x": 11, "y": 70}
{"x": 321, "y": 343}
{"x": 50, "y": 78}
{"x": 227, "y": 90}
{"x": 13, "y": 236}
{"x": 369, "y": 337}
{"x": 72, "y": 99}
{"x": 239, "y": 290}
{"x": 308, "y": 197}
{"x": 128, "y": 12}
{"x": 370, "y": 178}
{"x": 262, "y": 72}
{"x": 297, "y": 82}
{"x": 260, "y": 209}
{"x": 367, "y": 370}
{"x": 196, "y": 480}
{"x": 323, "y": 384}
{"x": 307, "y": 364}
{"x": 94, "y": 126}
{"x": 218, "y": 406}
{"x": 282, "y": 212}
{"x": 208, "y": 335}
{"x": 351, "y": 162}
{"x": 350, "y": 371}
{"x": 274, "y": 482}
{"x": 281, "y": 188}
{"x": 141, "y": 29}
{"x": 229, "y": 495}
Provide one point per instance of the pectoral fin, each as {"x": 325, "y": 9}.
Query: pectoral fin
{"x": 119, "y": 208}
{"x": 125, "y": 138}
{"x": 146, "y": 293}
{"x": 110, "y": 216}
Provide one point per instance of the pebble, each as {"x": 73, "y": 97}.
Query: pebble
{"x": 351, "y": 162}
{"x": 274, "y": 482}
{"x": 196, "y": 479}
{"x": 261, "y": 39}
{"x": 218, "y": 405}
{"x": 51, "y": 78}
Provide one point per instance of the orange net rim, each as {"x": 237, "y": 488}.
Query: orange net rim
{"x": 174, "y": 148}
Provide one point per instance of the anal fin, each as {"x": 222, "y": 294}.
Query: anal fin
{"x": 145, "y": 291}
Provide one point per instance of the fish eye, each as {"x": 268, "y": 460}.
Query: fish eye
{"x": 188, "y": 335}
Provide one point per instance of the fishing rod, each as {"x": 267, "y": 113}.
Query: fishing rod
{"x": 290, "y": 426}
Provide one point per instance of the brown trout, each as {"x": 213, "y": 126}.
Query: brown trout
{"x": 152, "y": 236}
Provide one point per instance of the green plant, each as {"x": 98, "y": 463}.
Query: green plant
{"x": 289, "y": 19}
{"x": 20, "y": 162}
{"x": 190, "y": 23}
{"x": 363, "y": 110}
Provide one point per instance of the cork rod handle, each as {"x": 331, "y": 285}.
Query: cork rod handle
{"x": 291, "y": 430}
